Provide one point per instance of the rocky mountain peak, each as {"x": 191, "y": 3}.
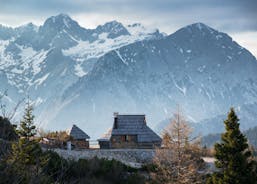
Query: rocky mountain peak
{"x": 197, "y": 30}
{"x": 61, "y": 19}
{"x": 113, "y": 28}
{"x": 59, "y": 22}
{"x": 27, "y": 28}
{"x": 200, "y": 27}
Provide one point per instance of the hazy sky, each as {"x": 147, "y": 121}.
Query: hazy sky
{"x": 235, "y": 17}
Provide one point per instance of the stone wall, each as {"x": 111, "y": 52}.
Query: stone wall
{"x": 132, "y": 157}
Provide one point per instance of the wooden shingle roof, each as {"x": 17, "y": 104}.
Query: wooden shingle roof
{"x": 76, "y": 133}
{"x": 134, "y": 125}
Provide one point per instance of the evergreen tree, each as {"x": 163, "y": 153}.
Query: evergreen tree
{"x": 26, "y": 153}
{"x": 234, "y": 159}
{"x": 27, "y": 127}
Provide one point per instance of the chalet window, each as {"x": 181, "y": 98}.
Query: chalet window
{"x": 115, "y": 123}
{"x": 129, "y": 138}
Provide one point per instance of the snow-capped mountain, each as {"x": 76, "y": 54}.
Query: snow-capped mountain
{"x": 201, "y": 69}
{"x": 43, "y": 61}
{"x": 82, "y": 76}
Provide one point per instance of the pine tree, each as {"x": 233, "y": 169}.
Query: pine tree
{"x": 27, "y": 127}
{"x": 234, "y": 159}
{"x": 25, "y": 157}
{"x": 27, "y": 147}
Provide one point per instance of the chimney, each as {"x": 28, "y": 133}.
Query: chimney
{"x": 115, "y": 114}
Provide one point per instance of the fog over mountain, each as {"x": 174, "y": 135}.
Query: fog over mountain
{"x": 79, "y": 75}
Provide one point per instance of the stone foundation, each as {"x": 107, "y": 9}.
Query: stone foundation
{"x": 132, "y": 157}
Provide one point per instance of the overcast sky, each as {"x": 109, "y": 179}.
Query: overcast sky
{"x": 235, "y": 17}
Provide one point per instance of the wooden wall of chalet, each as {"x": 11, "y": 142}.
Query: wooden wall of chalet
{"x": 130, "y": 141}
{"x": 104, "y": 144}
{"x": 80, "y": 144}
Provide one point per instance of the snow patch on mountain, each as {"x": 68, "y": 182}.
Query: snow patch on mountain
{"x": 31, "y": 58}
{"x": 79, "y": 70}
{"x": 123, "y": 60}
{"x": 38, "y": 101}
{"x": 39, "y": 81}
{"x": 85, "y": 50}
{"x": 139, "y": 29}
{"x": 19, "y": 66}
{"x": 5, "y": 59}
{"x": 96, "y": 49}
{"x": 181, "y": 89}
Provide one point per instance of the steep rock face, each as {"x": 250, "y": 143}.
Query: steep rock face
{"x": 62, "y": 32}
{"x": 201, "y": 69}
{"x": 114, "y": 29}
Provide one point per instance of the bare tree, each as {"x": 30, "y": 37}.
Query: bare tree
{"x": 2, "y": 105}
{"x": 177, "y": 162}
{"x": 9, "y": 114}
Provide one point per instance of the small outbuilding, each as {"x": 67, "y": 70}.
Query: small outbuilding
{"x": 104, "y": 141}
{"x": 130, "y": 131}
{"x": 79, "y": 139}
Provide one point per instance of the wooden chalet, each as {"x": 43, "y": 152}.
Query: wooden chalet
{"x": 79, "y": 139}
{"x": 129, "y": 131}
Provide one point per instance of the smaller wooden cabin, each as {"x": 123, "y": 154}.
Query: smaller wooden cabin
{"x": 79, "y": 139}
{"x": 104, "y": 141}
{"x": 130, "y": 131}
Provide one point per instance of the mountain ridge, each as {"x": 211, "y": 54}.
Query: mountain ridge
{"x": 119, "y": 61}
{"x": 79, "y": 77}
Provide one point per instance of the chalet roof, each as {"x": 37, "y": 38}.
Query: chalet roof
{"x": 77, "y": 133}
{"x": 134, "y": 125}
